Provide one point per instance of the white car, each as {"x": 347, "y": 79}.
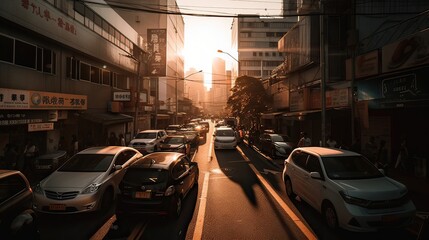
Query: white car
{"x": 148, "y": 141}
{"x": 88, "y": 181}
{"x": 347, "y": 189}
{"x": 225, "y": 138}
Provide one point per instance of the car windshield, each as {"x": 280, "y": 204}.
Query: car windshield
{"x": 277, "y": 138}
{"x": 226, "y": 133}
{"x": 87, "y": 163}
{"x": 146, "y": 135}
{"x": 173, "y": 140}
{"x": 350, "y": 167}
{"x": 145, "y": 176}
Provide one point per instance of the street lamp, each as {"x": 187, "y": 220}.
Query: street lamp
{"x": 238, "y": 62}
{"x": 177, "y": 99}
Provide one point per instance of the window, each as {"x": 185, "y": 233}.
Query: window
{"x": 254, "y": 54}
{"x": 47, "y": 61}
{"x": 25, "y": 54}
{"x": 39, "y": 63}
{"x": 260, "y": 54}
{"x": 178, "y": 169}
{"x": 95, "y": 74}
{"x": 300, "y": 159}
{"x": 6, "y": 49}
{"x": 106, "y": 77}
{"x": 85, "y": 72}
{"x": 10, "y": 186}
{"x": 313, "y": 164}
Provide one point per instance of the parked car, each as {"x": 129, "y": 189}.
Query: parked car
{"x": 17, "y": 218}
{"x": 176, "y": 143}
{"x": 88, "y": 181}
{"x": 147, "y": 141}
{"x": 157, "y": 184}
{"x": 172, "y": 129}
{"x": 347, "y": 189}
{"x": 225, "y": 138}
{"x": 275, "y": 145}
{"x": 193, "y": 138}
{"x": 47, "y": 163}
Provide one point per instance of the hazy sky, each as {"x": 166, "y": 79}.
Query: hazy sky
{"x": 205, "y": 35}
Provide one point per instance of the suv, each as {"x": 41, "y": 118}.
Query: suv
{"x": 225, "y": 138}
{"x": 17, "y": 219}
{"x": 148, "y": 141}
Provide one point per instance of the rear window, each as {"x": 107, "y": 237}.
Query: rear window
{"x": 225, "y": 132}
{"x": 138, "y": 176}
{"x": 146, "y": 135}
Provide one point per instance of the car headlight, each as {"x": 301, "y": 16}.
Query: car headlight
{"x": 38, "y": 189}
{"x": 354, "y": 200}
{"x": 91, "y": 188}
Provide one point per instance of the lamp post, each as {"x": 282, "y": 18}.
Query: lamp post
{"x": 238, "y": 62}
{"x": 177, "y": 99}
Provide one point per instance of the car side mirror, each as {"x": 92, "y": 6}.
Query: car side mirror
{"x": 117, "y": 167}
{"x": 315, "y": 175}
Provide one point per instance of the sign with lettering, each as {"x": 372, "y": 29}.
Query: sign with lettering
{"x": 157, "y": 40}
{"x": 22, "y": 99}
{"x": 34, "y": 127}
{"x": 122, "y": 96}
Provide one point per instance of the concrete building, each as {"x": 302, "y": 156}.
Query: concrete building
{"x": 66, "y": 68}
{"x": 165, "y": 39}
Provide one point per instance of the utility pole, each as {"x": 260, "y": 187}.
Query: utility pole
{"x": 323, "y": 69}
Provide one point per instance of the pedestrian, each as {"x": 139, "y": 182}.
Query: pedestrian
{"x": 402, "y": 159}
{"x": 112, "y": 140}
{"x": 74, "y": 145}
{"x": 356, "y": 145}
{"x": 371, "y": 149}
{"x": 331, "y": 143}
{"x": 121, "y": 140}
{"x": 11, "y": 156}
{"x": 304, "y": 141}
{"x": 30, "y": 153}
{"x": 382, "y": 155}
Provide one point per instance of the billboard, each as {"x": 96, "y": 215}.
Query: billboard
{"x": 157, "y": 39}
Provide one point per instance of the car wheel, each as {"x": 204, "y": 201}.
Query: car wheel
{"x": 107, "y": 200}
{"x": 289, "y": 189}
{"x": 177, "y": 209}
{"x": 330, "y": 216}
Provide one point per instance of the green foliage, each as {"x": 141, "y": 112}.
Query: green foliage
{"x": 248, "y": 100}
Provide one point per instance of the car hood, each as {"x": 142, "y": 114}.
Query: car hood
{"x": 374, "y": 189}
{"x": 142, "y": 140}
{"x": 282, "y": 144}
{"x": 68, "y": 181}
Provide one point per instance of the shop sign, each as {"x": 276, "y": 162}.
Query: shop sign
{"x": 158, "y": 51}
{"x": 22, "y": 99}
{"x": 35, "y": 127}
{"x": 9, "y": 118}
{"x": 400, "y": 87}
{"x": 122, "y": 96}
{"x": 337, "y": 98}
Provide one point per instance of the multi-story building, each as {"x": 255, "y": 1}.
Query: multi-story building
{"x": 66, "y": 68}
{"x": 359, "y": 77}
{"x": 165, "y": 63}
{"x": 255, "y": 39}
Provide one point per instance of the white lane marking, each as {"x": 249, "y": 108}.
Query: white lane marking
{"x": 210, "y": 150}
{"x": 198, "y": 232}
{"x": 102, "y": 232}
{"x": 298, "y": 222}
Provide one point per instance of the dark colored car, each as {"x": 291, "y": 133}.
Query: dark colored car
{"x": 276, "y": 145}
{"x": 172, "y": 129}
{"x": 50, "y": 162}
{"x": 175, "y": 143}
{"x": 193, "y": 137}
{"x": 17, "y": 219}
{"x": 156, "y": 184}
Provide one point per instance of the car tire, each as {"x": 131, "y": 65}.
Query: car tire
{"x": 289, "y": 189}
{"x": 177, "y": 208}
{"x": 330, "y": 215}
{"x": 107, "y": 200}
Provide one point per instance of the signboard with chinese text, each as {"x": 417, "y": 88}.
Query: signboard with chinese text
{"x": 157, "y": 40}
{"x": 22, "y": 99}
{"x": 34, "y": 127}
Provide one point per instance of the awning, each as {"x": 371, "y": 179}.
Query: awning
{"x": 162, "y": 116}
{"x": 300, "y": 113}
{"x": 106, "y": 118}
{"x": 270, "y": 115}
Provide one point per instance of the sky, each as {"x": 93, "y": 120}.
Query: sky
{"x": 205, "y": 35}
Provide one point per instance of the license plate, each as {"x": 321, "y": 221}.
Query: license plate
{"x": 143, "y": 195}
{"x": 43, "y": 167}
{"x": 389, "y": 218}
{"x": 57, "y": 207}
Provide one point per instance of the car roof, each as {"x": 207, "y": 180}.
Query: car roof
{"x": 104, "y": 150}
{"x": 161, "y": 160}
{"x": 152, "y": 131}
{"x": 328, "y": 152}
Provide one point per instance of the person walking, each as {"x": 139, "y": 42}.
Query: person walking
{"x": 121, "y": 140}
{"x": 74, "y": 145}
{"x": 113, "y": 140}
{"x": 402, "y": 159}
{"x": 331, "y": 143}
{"x": 304, "y": 141}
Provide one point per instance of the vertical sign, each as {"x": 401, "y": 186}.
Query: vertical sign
{"x": 157, "y": 49}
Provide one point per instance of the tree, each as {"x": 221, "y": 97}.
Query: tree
{"x": 248, "y": 100}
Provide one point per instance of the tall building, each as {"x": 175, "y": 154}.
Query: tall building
{"x": 164, "y": 34}
{"x": 255, "y": 39}
{"x": 194, "y": 87}
{"x": 66, "y": 68}
{"x": 218, "y": 92}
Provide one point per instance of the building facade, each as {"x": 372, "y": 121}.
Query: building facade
{"x": 54, "y": 56}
